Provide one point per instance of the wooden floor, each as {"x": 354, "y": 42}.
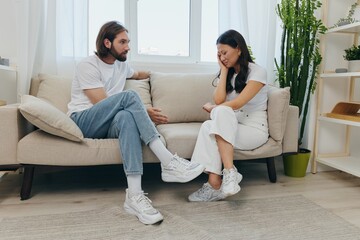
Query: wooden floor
{"x": 86, "y": 188}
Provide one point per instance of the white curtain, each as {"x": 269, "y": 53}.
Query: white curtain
{"x": 71, "y": 34}
{"x": 256, "y": 21}
{"x": 32, "y": 20}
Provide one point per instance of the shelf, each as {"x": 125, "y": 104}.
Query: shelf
{"x": 339, "y": 121}
{"x": 349, "y": 28}
{"x": 347, "y": 164}
{"x": 335, "y": 75}
{"x": 8, "y": 68}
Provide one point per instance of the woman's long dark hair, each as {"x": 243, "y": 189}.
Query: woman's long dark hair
{"x": 235, "y": 40}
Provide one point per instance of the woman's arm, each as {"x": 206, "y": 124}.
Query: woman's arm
{"x": 251, "y": 89}
{"x": 220, "y": 90}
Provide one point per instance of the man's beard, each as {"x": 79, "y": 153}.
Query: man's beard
{"x": 117, "y": 56}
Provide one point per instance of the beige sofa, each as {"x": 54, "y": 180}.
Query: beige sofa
{"x": 180, "y": 96}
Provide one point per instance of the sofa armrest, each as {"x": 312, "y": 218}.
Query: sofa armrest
{"x": 290, "y": 140}
{"x": 13, "y": 126}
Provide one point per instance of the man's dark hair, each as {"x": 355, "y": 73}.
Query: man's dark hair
{"x": 108, "y": 31}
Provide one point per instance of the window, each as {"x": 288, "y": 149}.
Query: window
{"x": 163, "y": 33}
{"x": 178, "y": 31}
{"x": 100, "y": 13}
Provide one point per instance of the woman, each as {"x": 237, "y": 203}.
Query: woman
{"x": 238, "y": 118}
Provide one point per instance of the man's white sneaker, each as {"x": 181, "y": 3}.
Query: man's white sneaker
{"x": 140, "y": 206}
{"x": 230, "y": 182}
{"x": 180, "y": 170}
{"x": 206, "y": 194}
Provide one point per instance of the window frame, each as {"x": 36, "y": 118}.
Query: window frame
{"x": 194, "y": 41}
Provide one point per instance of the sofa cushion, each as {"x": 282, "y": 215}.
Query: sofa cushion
{"x": 41, "y": 148}
{"x": 180, "y": 137}
{"x": 142, "y": 87}
{"x": 56, "y": 90}
{"x": 278, "y": 107}
{"x": 181, "y": 96}
{"x": 48, "y": 118}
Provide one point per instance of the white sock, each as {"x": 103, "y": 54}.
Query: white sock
{"x": 163, "y": 154}
{"x": 134, "y": 184}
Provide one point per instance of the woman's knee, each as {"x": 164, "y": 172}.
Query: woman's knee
{"x": 222, "y": 111}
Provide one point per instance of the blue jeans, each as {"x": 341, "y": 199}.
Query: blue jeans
{"x": 121, "y": 116}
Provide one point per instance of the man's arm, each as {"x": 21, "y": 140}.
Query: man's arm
{"x": 138, "y": 75}
{"x": 156, "y": 116}
{"x": 95, "y": 95}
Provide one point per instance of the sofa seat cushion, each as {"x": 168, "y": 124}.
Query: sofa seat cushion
{"x": 42, "y": 148}
{"x": 271, "y": 148}
{"x": 181, "y": 96}
{"x": 180, "y": 137}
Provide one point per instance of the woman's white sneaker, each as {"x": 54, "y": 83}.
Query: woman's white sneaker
{"x": 206, "y": 194}
{"x": 140, "y": 206}
{"x": 230, "y": 182}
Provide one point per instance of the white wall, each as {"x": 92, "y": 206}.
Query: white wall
{"x": 8, "y": 31}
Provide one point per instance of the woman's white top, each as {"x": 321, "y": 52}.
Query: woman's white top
{"x": 259, "y": 101}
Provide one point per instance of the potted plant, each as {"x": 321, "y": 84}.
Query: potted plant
{"x": 348, "y": 19}
{"x": 299, "y": 62}
{"x": 352, "y": 55}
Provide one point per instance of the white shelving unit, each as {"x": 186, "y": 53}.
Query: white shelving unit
{"x": 344, "y": 121}
{"x": 8, "y": 84}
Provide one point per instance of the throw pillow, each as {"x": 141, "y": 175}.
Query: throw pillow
{"x": 55, "y": 90}
{"x": 278, "y": 107}
{"x": 181, "y": 96}
{"x": 142, "y": 87}
{"x": 49, "y": 119}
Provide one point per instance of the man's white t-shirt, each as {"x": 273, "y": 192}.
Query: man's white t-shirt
{"x": 259, "y": 101}
{"x": 92, "y": 73}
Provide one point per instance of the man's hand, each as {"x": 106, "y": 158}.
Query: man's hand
{"x": 156, "y": 116}
{"x": 208, "y": 107}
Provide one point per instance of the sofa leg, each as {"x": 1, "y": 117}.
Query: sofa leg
{"x": 27, "y": 182}
{"x": 270, "y": 162}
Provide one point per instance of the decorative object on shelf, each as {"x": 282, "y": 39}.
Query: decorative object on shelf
{"x": 346, "y": 111}
{"x": 300, "y": 57}
{"x": 352, "y": 55}
{"x": 341, "y": 70}
{"x": 348, "y": 19}
{"x": 4, "y": 61}
{"x": 2, "y": 102}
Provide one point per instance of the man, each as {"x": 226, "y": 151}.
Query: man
{"x": 101, "y": 109}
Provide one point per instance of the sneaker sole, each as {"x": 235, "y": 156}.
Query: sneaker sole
{"x": 228, "y": 194}
{"x": 146, "y": 221}
{"x": 182, "y": 179}
{"x": 201, "y": 200}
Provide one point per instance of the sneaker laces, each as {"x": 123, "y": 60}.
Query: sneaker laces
{"x": 180, "y": 162}
{"x": 205, "y": 190}
{"x": 228, "y": 177}
{"x": 144, "y": 202}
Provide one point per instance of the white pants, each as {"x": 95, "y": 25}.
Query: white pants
{"x": 244, "y": 131}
